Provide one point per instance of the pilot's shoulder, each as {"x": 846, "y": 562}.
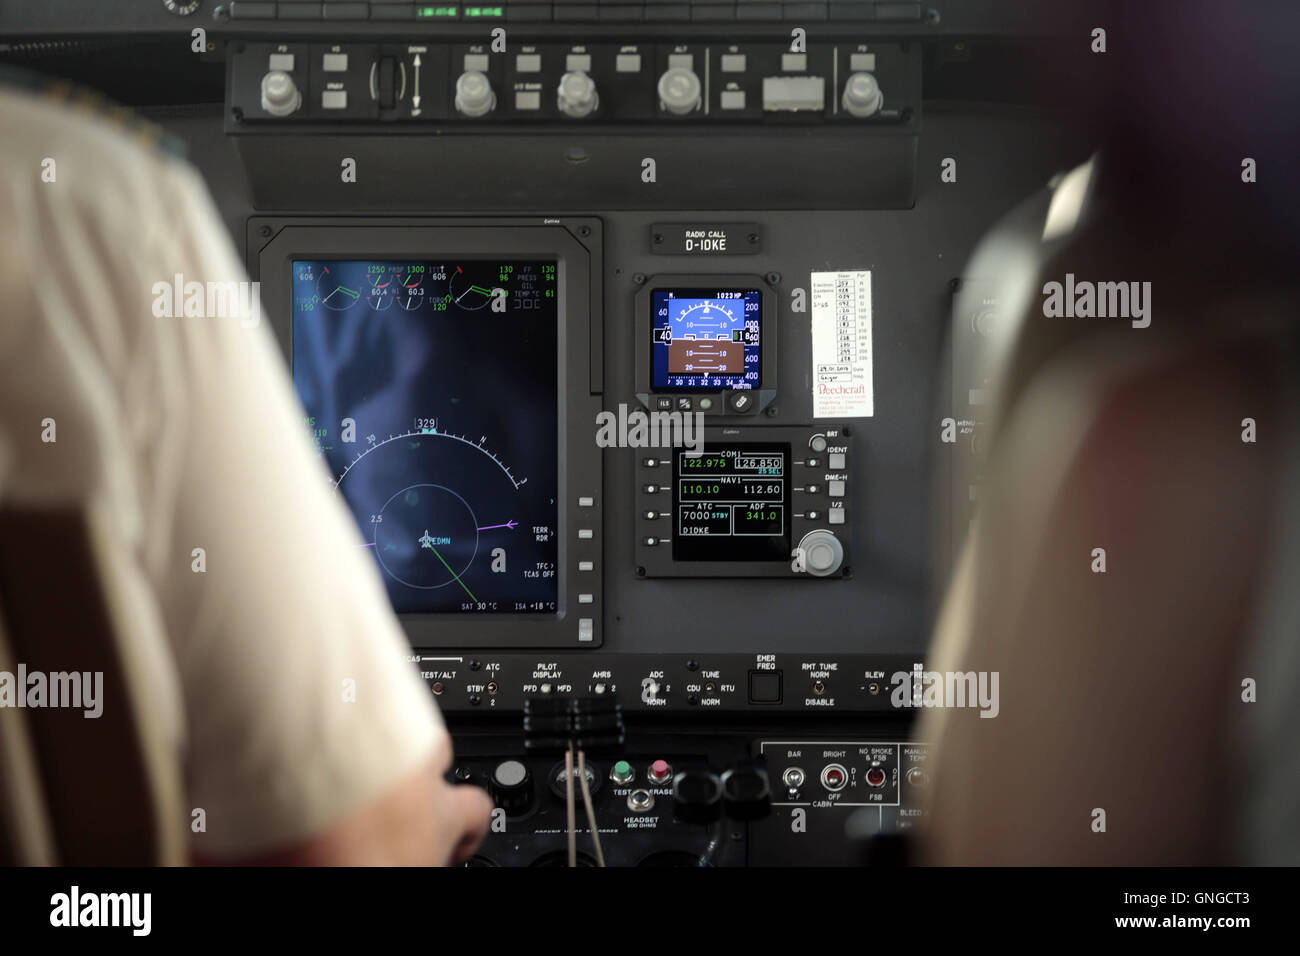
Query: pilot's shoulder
{"x": 43, "y": 105}
{"x": 80, "y": 153}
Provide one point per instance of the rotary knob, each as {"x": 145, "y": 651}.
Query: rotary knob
{"x": 577, "y": 95}
{"x": 862, "y": 95}
{"x": 280, "y": 97}
{"x": 746, "y": 792}
{"x": 385, "y": 76}
{"x": 679, "y": 91}
{"x": 697, "y": 797}
{"x": 474, "y": 96}
{"x": 512, "y": 787}
{"x": 822, "y": 553}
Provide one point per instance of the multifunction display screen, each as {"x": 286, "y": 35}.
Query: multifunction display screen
{"x": 732, "y": 503}
{"x": 706, "y": 339}
{"x": 430, "y": 388}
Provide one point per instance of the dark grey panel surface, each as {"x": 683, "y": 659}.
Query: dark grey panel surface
{"x": 913, "y": 254}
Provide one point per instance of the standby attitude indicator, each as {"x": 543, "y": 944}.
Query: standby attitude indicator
{"x": 706, "y": 340}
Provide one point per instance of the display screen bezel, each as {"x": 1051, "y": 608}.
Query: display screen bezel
{"x": 574, "y": 623}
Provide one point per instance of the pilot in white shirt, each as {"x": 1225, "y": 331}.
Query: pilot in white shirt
{"x": 304, "y": 734}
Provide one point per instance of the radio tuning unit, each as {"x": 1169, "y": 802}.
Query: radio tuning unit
{"x": 757, "y": 501}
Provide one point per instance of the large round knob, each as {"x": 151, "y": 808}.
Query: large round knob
{"x": 697, "y": 797}
{"x": 280, "y": 97}
{"x": 474, "y": 96}
{"x": 822, "y": 553}
{"x": 746, "y": 792}
{"x": 862, "y": 95}
{"x": 577, "y": 94}
{"x": 512, "y": 787}
{"x": 983, "y": 321}
{"x": 679, "y": 91}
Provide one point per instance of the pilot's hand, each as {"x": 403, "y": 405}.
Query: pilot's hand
{"x": 461, "y": 814}
{"x": 421, "y": 821}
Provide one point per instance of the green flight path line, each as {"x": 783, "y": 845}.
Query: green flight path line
{"x": 452, "y": 573}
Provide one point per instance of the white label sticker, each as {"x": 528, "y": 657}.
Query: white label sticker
{"x": 841, "y": 345}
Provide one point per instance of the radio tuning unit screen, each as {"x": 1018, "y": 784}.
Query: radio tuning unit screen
{"x": 731, "y": 503}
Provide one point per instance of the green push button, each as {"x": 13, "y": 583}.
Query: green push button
{"x": 622, "y": 772}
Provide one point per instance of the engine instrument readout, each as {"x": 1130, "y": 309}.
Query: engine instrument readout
{"x": 430, "y": 388}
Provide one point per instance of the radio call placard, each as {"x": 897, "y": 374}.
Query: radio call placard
{"x": 706, "y": 238}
